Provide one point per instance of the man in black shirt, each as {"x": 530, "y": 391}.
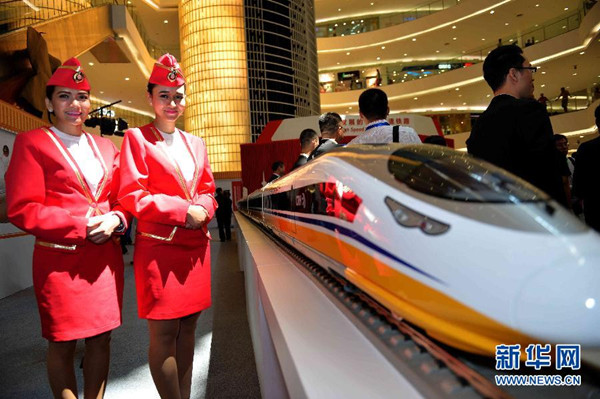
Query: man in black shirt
{"x": 515, "y": 132}
{"x": 332, "y": 130}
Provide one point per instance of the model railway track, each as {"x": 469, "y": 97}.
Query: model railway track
{"x": 433, "y": 371}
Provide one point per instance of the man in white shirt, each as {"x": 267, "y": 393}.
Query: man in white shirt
{"x": 374, "y": 109}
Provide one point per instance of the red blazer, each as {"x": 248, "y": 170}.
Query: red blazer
{"x": 154, "y": 190}
{"x": 46, "y": 193}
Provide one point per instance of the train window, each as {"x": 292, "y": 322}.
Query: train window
{"x": 331, "y": 198}
{"x": 458, "y": 176}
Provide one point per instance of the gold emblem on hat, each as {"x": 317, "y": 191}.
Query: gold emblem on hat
{"x": 78, "y": 76}
{"x": 172, "y": 76}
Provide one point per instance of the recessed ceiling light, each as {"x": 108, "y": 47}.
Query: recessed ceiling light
{"x": 441, "y": 103}
{"x": 378, "y": 58}
{"x": 483, "y": 38}
{"x": 166, "y": 21}
{"x": 464, "y": 103}
{"x": 543, "y": 72}
{"x": 566, "y": 8}
{"x": 537, "y": 5}
{"x": 453, "y": 26}
{"x": 335, "y": 25}
{"x": 349, "y": 107}
{"x": 416, "y": 98}
{"x": 460, "y": 95}
{"x": 564, "y": 27}
{"x": 575, "y": 74}
{"x": 339, "y": 9}
{"x": 90, "y": 63}
{"x": 414, "y": 39}
{"x": 348, "y": 53}
{"x": 457, "y": 89}
{"x": 582, "y": 53}
{"x": 126, "y": 78}
{"x": 383, "y": 47}
{"x": 488, "y": 96}
{"x": 129, "y": 102}
{"x": 453, "y": 38}
{"x": 506, "y": 23}
{"x": 405, "y": 54}
{"x": 344, "y": 24}
{"x": 543, "y": 86}
{"x": 437, "y": 51}
{"x": 128, "y": 2}
{"x": 491, "y": 12}
{"x": 338, "y": 63}
{"x": 372, "y": 3}
{"x": 101, "y": 92}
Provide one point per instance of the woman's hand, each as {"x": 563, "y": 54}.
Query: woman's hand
{"x": 100, "y": 228}
{"x": 196, "y": 217}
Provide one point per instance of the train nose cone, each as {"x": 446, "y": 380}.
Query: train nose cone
{"x": 561, "y": 304}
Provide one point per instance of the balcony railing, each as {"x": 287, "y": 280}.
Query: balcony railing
{"x": 353, "y": 26}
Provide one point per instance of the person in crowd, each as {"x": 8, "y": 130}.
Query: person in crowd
{"x": 168, "y": 185}
{"x": 566, "y": 165}
{"x": 332, "y": 130}
{"x": 278, "y": 169}
{"x": 514, "y": 132}
{"x": 542, "y": 99}
{"x": 4, "y": 160}
{"x": 564, "y": 99}
{"x": 437, "y": 140}
{"x": 585, "y": 178}
{"x": 225, "y": 212}
{"x": 309, "y": 140}
{"x": 373, "y": 108}
{"x": 61, "y": 187}
{"x": 223, "y": 215}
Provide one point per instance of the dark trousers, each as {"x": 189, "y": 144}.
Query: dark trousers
{"x": 224, "y": 223}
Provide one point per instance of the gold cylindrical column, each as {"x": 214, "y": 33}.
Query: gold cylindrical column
{"x": 213, "y": 57}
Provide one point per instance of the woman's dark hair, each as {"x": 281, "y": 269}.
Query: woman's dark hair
{"x": 49, "y": 92}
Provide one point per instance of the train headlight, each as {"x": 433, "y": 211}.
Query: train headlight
{"x": 408, "y": 218}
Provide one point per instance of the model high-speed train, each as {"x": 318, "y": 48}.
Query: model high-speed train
{"x": 475, "y": 256}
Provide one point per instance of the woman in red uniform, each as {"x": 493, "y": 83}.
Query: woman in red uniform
{"x": 167, "y": 183}
{"x": 60, "y": 188}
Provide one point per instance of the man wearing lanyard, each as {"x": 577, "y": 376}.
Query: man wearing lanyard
{"x": 373, "y": 108}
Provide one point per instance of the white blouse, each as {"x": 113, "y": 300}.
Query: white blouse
{"x": 179, "y": 153}
{"x": 84, "y": 156}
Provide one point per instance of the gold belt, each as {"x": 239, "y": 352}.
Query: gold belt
{"x": 157, "y": 237}
{"x": 56, "y": 246}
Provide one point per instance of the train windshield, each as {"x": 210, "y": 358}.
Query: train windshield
{"x": 450, "y": 174}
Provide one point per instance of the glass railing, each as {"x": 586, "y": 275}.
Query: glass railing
{"x": 353, "y": 26}
{"x": 16, "y": 15}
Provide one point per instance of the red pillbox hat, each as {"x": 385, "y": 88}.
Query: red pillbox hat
{"x": 166, "y": 72}
{"x": 70, "y": 75}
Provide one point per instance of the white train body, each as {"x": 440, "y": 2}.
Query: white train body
{"x": 470, "y": 253}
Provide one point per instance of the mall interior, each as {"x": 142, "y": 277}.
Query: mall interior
{"x": 275, "y": 329}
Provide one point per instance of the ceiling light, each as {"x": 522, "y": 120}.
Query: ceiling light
{"x": 416, "y": 98}
{"x": 126, "y": 78}
{"x": 339, "y": 9}
{"x": 453, "y": 38}
{"x": 582, "y": 53}
{"x": 349, "y": 107}
{"x": 101, "y": 92}
{"x": 464, "y": 103}
{"x": 437, "y": 51}
{"x": 405, "y": 54}
{"x": 575, "y": 74}
{"x": 457, "y": 89}
{"x": 537, "y": 5}
{"x": 348, "y": 53}
{"x": 460, "y": 95}
{"x": 441, "y": 103}
{"x": 414, "y": 39}
{"x": 453, "y": 26}
{"x": 488, "y": 96}
{"x": 372, "y": 3}
{"x": 543, "y": 72}
{"x": 344, "y": 24}
{"x": 491, "y": 12}
{"x": 483, "y": 38}
{"x": 90, "y": 63}
{"x": 166, "y": 21}
{"x": 128, "y": 102}
{"x": 338, "y": 63}
{"x": 543, "y": 86}
{"x": 566, "y": 8}
{"x": 506, "y": 24}
{"x": 383, "y": 47}
{"x": 335, "y": 25}
{"x": 378, "y": 58}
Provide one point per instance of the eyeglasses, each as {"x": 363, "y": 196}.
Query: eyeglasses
{"x": 531, "y": 68}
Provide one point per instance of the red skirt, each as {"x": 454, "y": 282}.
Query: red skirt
{"x": 79, "y": 292}
{"x": 172, "y": 279}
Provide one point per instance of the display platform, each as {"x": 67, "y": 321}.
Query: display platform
{"x": 304, "y": 346}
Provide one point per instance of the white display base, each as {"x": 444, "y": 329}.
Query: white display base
{"x": 304, "y": 346}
